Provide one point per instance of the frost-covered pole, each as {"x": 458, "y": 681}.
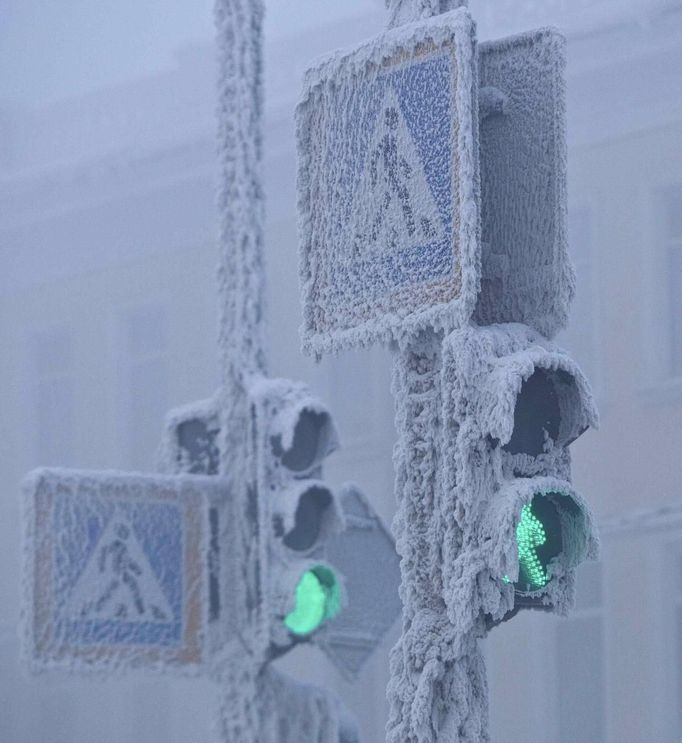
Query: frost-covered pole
{"x": 406, "y": 11}
{"x": 437, "y": 690}
{"x": 240, "y": 203}
{"x": 431, "y": 188}
{"x": 241, "y": 279}
{"x": 258, "y": 705}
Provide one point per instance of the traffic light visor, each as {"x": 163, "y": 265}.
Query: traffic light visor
{"x": 306, "y": 514}
{"x": 540, "y": 530}
{"x": 317, "y": 599}
{"x": 304, "y": 437}
{"x": 550, "y": 409}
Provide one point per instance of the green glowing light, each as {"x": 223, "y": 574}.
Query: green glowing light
{"x": 539, "y": 540}
{"x": 530, "y": 534}
{"x": 318, "y": 599}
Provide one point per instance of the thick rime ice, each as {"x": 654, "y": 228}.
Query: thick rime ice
{"x": 389, "y": 246}
{"x": 484, "y": 486}
{"x": 288, "y": 433}
{"x": 241, "y": 278}
{"x": 190, "y": 438}
{"x": 460, "y": 494}
{"x": 116, "y": 572}
{"x": 437, "y": 687}
{"x": 526, "y": 272}
{"x": 417, "y": 658}
{"x": 406, "y": 11}
{"x": 476, "y": 448}
{"x": 388, "y": 187}
{"x": 299, "y": 713}
{"x": 277, "y": 406}
{"x": 290, "y": 712}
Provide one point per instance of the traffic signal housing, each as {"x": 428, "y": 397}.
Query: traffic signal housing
{"x": 293, "y": 434}
{"x": 513, "y": 403}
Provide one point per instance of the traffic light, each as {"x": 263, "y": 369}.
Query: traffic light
{"x": 293, "y": 433}
{"x": 191, "y": 437}
{"x": 313, "y": 547}
{"x": 513, "y": 403}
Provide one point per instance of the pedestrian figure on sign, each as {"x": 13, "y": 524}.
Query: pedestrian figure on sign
{"x": 125, "y": 571}
{"x": 396, "y": 206}
{"x": 395, "y": 169}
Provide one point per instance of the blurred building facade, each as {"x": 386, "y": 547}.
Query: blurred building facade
{"x": 108, "y": 317}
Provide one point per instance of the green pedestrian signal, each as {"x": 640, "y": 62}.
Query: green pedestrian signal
{"x": 530, "y": 535}
{"x": 539, "y": 541}
{"x": 318, "y": 599}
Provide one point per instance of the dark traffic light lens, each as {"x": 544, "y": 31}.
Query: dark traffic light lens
{"x": 311, "y": 511}
{"x": 537, "y": 415}
{"x": 318, "y": 598}
{"x": 539, "y": 541}
{"x": 312, "y": 441}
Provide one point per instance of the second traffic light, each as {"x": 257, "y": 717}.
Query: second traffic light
{"x": 513, "y": 403}
{"x": 293, "y": 434}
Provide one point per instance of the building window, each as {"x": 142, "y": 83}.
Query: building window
{"x": 578, "y": 338}
{"x": 146, "y": 335}
{"x": 672, "y": 220}
{"x": 52, "y": 363}
{"x": 580, "y": 658}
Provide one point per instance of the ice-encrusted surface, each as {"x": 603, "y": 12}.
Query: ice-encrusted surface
{"x": 426, "y": 632}
{"x": 190, "y": 438}
{"x": 388, "y": 187}
{"x": 406, "y": 11}
{"x": 115, "y": 571}
{"x": 460, "y": 494}
{"x": 526, "y": 272}
{"x": 292, "y": 712}
{"x": 241, "y": 277}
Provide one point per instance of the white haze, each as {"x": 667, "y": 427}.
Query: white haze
{"x": 108, "y": 318}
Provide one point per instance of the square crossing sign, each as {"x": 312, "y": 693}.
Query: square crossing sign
{"x": 118, "y": 569}
{"x": 388, "y": 186}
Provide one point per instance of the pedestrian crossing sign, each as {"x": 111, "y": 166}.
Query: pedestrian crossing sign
{"x": 388, "y": 186}
{"x": 118, "y": 569}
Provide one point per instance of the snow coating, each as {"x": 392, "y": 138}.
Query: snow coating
{"x": 466, "y": 465}
{"x": 382, "y": 257}
{"x": 300, "y": 713}
{"x": 418, "y": 657}
{"x": 278, "y": 409}
{"x": 405, "y": 11}
{"x": 527, "y": 276}
{"x": 190, "y": 438}
{"x": 241, "y": 279}
{"x": 116, "y": 570}
{"x": 388, "y": 188}
{"x": 460, "y": 496}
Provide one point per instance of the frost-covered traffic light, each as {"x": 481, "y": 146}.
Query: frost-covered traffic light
{"x": 513, "y": 403}
{"x": 314, "y": 544}
{"x": 293, "y": 433}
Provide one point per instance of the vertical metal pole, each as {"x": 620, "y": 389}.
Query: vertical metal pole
{"x": 438, "y": 689}
{"x": 405, "y": 11}
{"x": 416, "y": 390}
{"x": 241, "y": 271}
{"x": 241, "y": 277}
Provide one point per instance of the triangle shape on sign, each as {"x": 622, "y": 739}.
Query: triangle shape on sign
{"x": 118, "y": 583}
{"x": 393, "y": 205}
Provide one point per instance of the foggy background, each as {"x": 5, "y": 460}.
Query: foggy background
{"x": 108, "y": 317}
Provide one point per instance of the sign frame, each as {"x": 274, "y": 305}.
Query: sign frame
{"x": 335, "y": 318}
{"x": 44, "y": 645}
